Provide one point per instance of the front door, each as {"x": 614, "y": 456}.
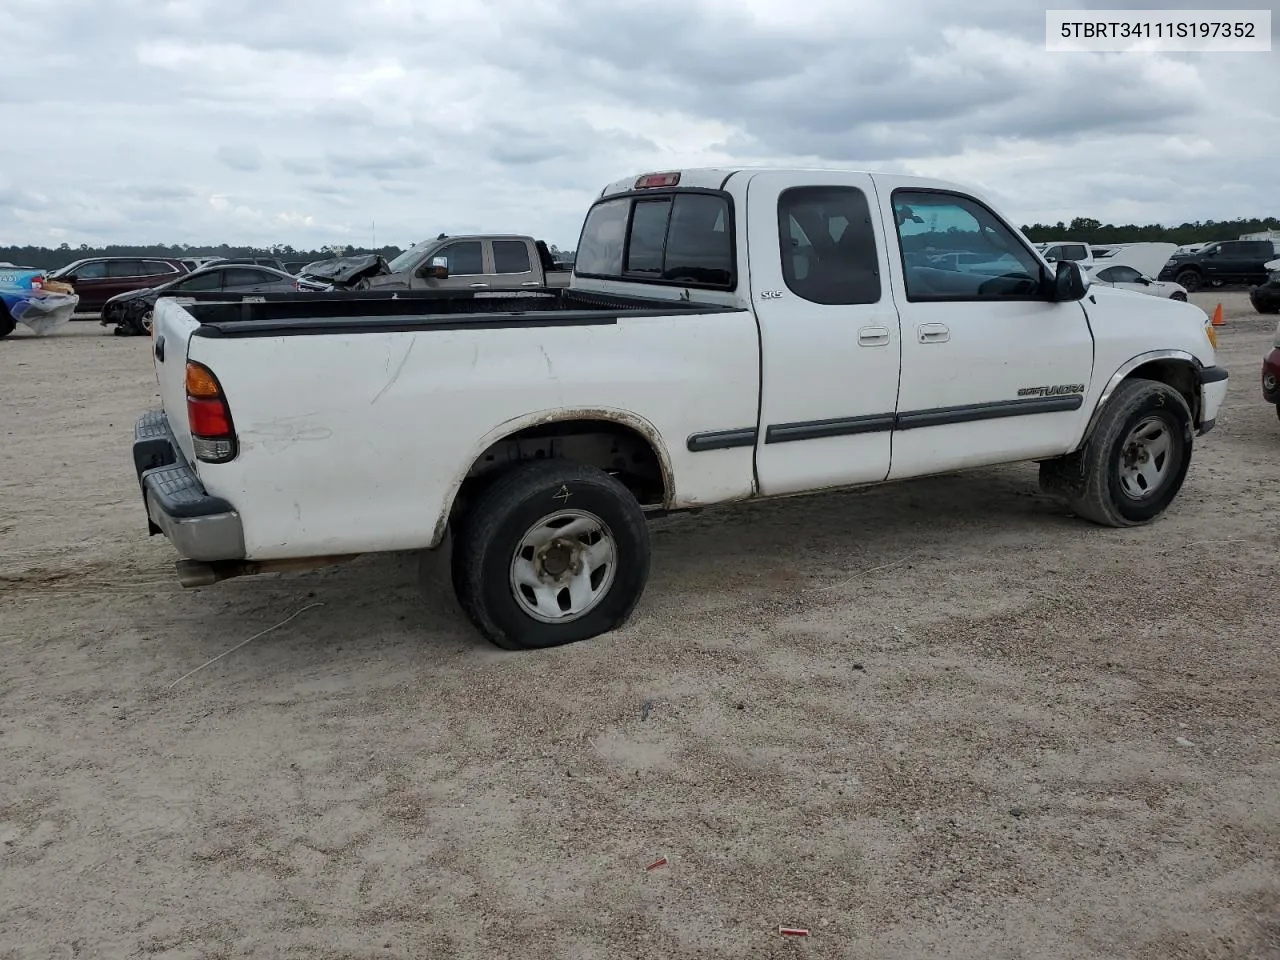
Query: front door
{"x": 992, "y": 371}
{"x": 828, "y": 328}
{"x": 465, "y": 259}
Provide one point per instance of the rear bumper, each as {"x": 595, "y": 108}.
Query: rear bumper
{"x": 200, "y": 526}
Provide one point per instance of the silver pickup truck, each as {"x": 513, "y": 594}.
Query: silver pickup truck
{"x": 488, "y": 262}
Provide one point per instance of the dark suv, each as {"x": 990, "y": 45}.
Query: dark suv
{"x": 99, "y": 279}
{"x": 1228, "y": 261}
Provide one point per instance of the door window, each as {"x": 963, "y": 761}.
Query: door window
{"x": 158, "y": 268}
{"x": 511, "y": 256}
{"x": 201, "y": 282}
{"x": 828, "y": 245}
{"x": 125, "y": 269}
{"x": 1119, "y": 274}
{"x": 93, "y": 270}
{"x": 466, "y": 258}
{"x": 954, "y": 248}
{"x": 245, "y": 277}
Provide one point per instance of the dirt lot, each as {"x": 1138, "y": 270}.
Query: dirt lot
{"x": 939, "y": 719}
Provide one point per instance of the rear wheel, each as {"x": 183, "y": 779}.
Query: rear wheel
{"x": 551, "y": 553}
{"x": 1133, "y": 463}
{"x": 7, "y": 323}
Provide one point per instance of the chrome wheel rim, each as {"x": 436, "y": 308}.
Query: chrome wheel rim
{"x": 1146, "y": 459}
{"x": 146, "y": 321}
{"x": 563, "y": 566}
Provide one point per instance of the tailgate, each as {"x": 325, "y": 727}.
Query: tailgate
{"x": 172, "y": 327}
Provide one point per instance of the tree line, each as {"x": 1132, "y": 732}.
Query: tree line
{"x": 50, "y": 258}
{"x": 1089, "y": 230}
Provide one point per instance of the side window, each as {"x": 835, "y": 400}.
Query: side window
{"x": 245, "y": 277}
{"x": 93, "y": 270}
{"x": 158, "y": 268}
{"x": 1075, "y": 251}
{"x": 125, "y": 268}
{"x": 931, "y": 226}
{"x": 202, "y": 282}
{"x": 1125, "y": 275}
{"x": 1109, "y": 275}
{"x": 603, "y": 235}
{"x": 1053, "y": 253}
{"x": 828, "y": 245}
{"x": 466, "y": 258}
{"x": 511, "y": 256}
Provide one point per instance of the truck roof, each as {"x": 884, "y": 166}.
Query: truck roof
{"x": 714, "y": 178}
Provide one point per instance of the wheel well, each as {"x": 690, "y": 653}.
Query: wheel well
{"x": 1177, "y": 374}
{"x": 614, "y": 447}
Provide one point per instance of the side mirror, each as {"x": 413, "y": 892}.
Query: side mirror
{"x": 1069, "y": 282}
{"x": 439, "y": 269}
{"x": 1211, "y": 253}
{"x": 1145, "y": 281}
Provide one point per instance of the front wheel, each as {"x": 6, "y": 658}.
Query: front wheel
{"x": 1190, "y": 279}
{"x": 1133, "y": 463}
{"x": 551, "y": 553}
{"x": 1179, "y": 296}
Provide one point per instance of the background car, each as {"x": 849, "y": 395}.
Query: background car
{"x": 99, "y": 279}
{"x": 131, "y": 311}
{"x": 1124, "y": 277}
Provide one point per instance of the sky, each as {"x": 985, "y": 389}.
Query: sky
{"x": 314, "y": 122}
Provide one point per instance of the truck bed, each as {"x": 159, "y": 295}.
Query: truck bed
{"x": 284, "y": 314}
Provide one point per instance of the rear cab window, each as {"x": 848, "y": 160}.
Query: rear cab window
{"x": 675, "y": 237}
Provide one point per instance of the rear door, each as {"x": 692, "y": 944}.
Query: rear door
{"x": 513, "y": 264}
{"x": 829, "y": 331}
{"x": 992, "y": 370}
{"x": 91, "y": 285}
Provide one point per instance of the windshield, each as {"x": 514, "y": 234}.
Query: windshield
{"x": 406, "y": 259}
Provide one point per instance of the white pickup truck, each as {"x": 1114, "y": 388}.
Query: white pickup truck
{"x": 727, "y": 335}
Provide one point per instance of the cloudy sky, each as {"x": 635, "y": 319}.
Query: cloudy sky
{"x": 308, "y": 121}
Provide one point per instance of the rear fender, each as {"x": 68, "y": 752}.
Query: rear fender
{"x": 559, "y": 415}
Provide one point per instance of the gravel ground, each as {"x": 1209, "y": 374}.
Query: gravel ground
{"x": 936, "y": 719}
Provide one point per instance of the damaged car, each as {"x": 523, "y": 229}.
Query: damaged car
{"x": 39, "y": 304}
{"x": 1266, "y": 296}
{"x": 488, "y": 262}
{"x": 1135, "y": 266}
{"x": 130, "y": 312}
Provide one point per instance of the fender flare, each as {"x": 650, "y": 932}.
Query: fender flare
{"x": 500, "y": 432}
{"x": 1132, "y": 364}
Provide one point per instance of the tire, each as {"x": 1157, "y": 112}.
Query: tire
{"x": 1107, "y": 480}
{"x": 7, "y": 323}
{"x": 1179, "y": 296}
{"x": 507, "y": 545}
{"x": 1190, "y": 279}
{"x": 136, "y": 322}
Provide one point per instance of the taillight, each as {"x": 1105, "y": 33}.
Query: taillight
{"x": 37, "y": 282}
{"x": 213, "y": 435}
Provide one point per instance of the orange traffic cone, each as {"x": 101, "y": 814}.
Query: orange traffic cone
{"x": 1217, "y": 317}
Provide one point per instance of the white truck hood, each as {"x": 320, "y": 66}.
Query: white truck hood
{"x": 1147, "y": 258}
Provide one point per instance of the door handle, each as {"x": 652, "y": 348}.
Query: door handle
{"x": 933, "y": 333}
{"x": 479, "y": 285}
{"x": 873, "y": 336}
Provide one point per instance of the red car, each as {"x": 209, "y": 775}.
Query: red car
{"x": 1271, "y": 373}
{"x": 98, "y": 279}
